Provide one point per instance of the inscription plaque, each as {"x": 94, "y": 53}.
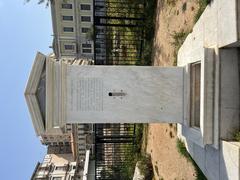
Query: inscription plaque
{"x": 86, "y": 94}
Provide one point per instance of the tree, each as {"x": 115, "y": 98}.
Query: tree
{"x": 41, "y": 1}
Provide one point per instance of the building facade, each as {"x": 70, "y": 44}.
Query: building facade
{"x": 72, "y": 23}
{"x": 55, "y": 167}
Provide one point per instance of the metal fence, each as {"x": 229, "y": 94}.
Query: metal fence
{"x": 118, "y": 40}
{"x": 118, "y": 32}
{"x": 113, "y": 145}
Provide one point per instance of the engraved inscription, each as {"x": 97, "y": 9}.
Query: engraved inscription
{"x": 86, "y": 94}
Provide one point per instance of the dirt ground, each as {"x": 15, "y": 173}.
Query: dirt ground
{"x": 168, "y": 164}
{"x": 172, "y": 16}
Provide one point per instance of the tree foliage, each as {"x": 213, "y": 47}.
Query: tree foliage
{"x": 41, "y": 2}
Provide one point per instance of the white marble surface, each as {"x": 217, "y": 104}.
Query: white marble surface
{"x": 152, "y": 94}
{"x": 230, "y": 161}
{"x": 30, "y": 93}
{"x": 214, "y": 35}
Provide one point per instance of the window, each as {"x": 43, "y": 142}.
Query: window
{"x": 100, "y": 31}
{"x": 72, "y": 178}
{"x": 67, "y": 18}
{"x": 67, "y": 143}
{"x": 85, "y": 30}
{"x": 87, "y": 50}
{"x": 87, "y": 45}
{"x": 82, "y": 154}
{"x": 60, "y": 168}
{"x": 85, "y": 7}
{"x": 69, "y": 47}
{"x": 86, "y": 18}
{"x": 195, "y": 82}
{"x": 67, "y": 6}
{"x": 68, "y": 29}
{"x": 57, "y": 178}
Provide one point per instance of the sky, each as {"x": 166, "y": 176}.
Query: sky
{"x": 24, "y": 30}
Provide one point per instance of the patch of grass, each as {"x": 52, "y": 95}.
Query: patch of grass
{"x": 145, "y": 167}
{"x": 237, "y": 136}
{"x": 149, "y": 31}
{"x": 202, "y": 5}
{"x": 179, "y": 38}
{"x": 183, "y": 151}
{"x": 139, "y": 137}
{"x": 144, "y": 138}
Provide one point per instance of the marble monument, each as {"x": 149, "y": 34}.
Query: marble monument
{"x": 105, "y": 94}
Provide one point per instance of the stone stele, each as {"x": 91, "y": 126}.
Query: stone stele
{"x": 103, "y": 94}
{"x": 111, "y": 94}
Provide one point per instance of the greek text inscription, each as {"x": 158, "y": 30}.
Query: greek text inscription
{"x": 86, "y": 94}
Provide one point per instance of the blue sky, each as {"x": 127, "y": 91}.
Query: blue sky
{"x": 25, "y": 29}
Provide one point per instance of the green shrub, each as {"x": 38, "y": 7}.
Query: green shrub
{"x": 145, "y": 167}
{"x": 179, "y": 38}
{"x": 149, "y": 31}
{"x": 202, "y": 5}
{"x": 182, "y": 149}
{"x": 237, "y": 136}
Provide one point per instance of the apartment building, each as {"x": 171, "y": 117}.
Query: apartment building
{"x": 55, "y": 167}
{"x": 84, "y": 139}
{"x": 72, "y": 22}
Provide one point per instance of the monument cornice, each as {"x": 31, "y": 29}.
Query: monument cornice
{"x": 30, "y": 93}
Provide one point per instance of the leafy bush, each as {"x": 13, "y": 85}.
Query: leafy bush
{"x": 179, "y": 38}
{"x": 202, "y": 5}
{"x": 237, "y": 136}
{"x": 145, "y": 167}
